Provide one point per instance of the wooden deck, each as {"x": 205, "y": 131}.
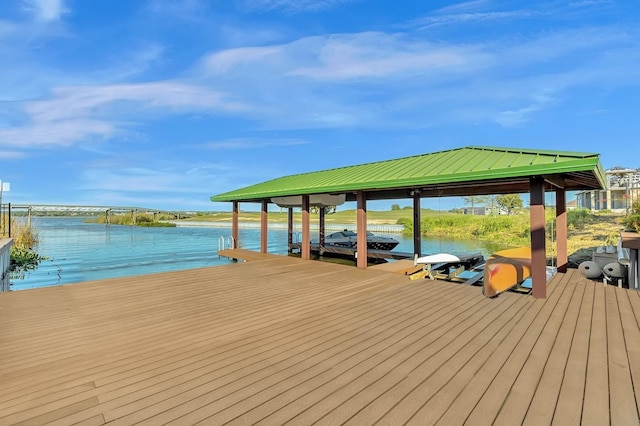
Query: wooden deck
{"x": 282, "y": 340}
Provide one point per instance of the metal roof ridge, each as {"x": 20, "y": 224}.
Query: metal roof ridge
{"x": 535, "y": 151}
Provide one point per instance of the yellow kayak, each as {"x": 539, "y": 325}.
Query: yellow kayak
{"x": 506, "y": 269}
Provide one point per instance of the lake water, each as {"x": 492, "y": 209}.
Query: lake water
{"x": 79, "y": 251}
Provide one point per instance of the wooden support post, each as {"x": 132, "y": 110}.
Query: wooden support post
{"x": 234, "y": 223}
{"x": 264, "y": 226}
{"x": 538, "y": 243}
{"x": 306, "y": 240}
{"x": 417, "y": 238}
{"x": 361, "y": 201}
{"x": 289, "y": 228}
{"x": 561, "y": 230}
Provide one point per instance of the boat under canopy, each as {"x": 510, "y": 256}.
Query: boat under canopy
{"x": 349, "y": 239}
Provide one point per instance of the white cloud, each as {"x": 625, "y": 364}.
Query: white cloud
{"x": 590, "y": 3}
{"x": 186, "y": 10}
{"x": 295, "y": 5}
{"x": 30, "y": 78}
{"x": 464, "y": 6}
{"x": 12, "y": 155}
{"x": 373, "y": 55}
{"x": 513, "y": 118}
{"x": 134, "y": 63}
{"x": 244, "y": 143}
{"x": 75, "y": 113}
{"x": 51, "y": 134}
{"x": 375, "y": 79}
{"x": 461, "y": 15}
{"x": 46, "y": 10}
{"x": 8, "y": 29}
{"x": 164, "y": 96}
{"x": 469, "y": 17}
{"x": 222, "y": 62}
{"x": 361, "y": 80}
{"x": 135, "y": 179}
{"x": 347, "y": 56}
{"x": 478, "y": 11}
{"x": 177, "y": 184}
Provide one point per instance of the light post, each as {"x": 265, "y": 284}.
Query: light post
{"x": 634, "y": 186}
{"x": 4, "y": 187}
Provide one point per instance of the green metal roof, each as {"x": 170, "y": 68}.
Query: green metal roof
{"x": 463, "y": 171}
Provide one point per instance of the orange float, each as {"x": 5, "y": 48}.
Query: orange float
{"x": 506, "y": 269}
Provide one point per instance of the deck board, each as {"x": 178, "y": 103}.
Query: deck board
{"x": 571, "y": 393}
{"x": 278, "y": 340}
{"x": 547, "y": 391}
{"x": 510, "y": 364}
{"x": 367, "y": 355}
{"x": 403, "y": 401}
{"x": 542, "y": 358}
{"x": 382, "y": 384}
{"x": 621, "y": 393}
{"x": 596, "y": 394}
{"x": 631, "y": 329}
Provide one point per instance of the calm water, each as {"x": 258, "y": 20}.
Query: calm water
{"x": 79, "y": 251}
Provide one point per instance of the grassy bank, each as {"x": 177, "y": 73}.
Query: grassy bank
{"x": 141, "y": 219}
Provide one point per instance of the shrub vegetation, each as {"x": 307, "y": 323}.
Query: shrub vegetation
{"x": 140, "y": 219}
{"x": 632, "y": 221}
{"x": 25, "y": 238}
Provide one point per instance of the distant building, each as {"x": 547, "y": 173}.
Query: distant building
{"x": 478, "y": 211}
{"x": 483, "y": 211}
{"x": 623, "y": 189}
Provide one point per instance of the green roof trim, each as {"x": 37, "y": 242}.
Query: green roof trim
{"x": 470, "y": 164}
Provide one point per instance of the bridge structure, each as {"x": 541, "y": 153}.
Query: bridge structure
{"x": 6, "y": 211}
{"x": 86, "y": 209}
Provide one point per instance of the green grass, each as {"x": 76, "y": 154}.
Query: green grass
{"x": 141, "y": 219}
{"x": 343, "y": 216}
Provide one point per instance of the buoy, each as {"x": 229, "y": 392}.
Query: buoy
{"x": 613, "y": 270}
{"x": 590, "y": 269}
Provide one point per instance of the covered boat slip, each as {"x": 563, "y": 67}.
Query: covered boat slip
{"x": 351, "y": 252}
{"x": 280, "y": 340}
{"x": 465, "y": 171}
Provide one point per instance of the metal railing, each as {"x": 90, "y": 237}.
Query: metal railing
{"x": 296, "y": 237}
{"x": 226, "y": 243}
{"x": 5, "y": 263}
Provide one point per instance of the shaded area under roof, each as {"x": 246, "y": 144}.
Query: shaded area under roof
{"x": 473, "y": 170}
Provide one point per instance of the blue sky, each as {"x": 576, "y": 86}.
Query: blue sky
{"x": 163, "y": 103}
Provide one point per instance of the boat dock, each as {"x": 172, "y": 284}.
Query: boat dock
{"x": 281, "y": 340}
